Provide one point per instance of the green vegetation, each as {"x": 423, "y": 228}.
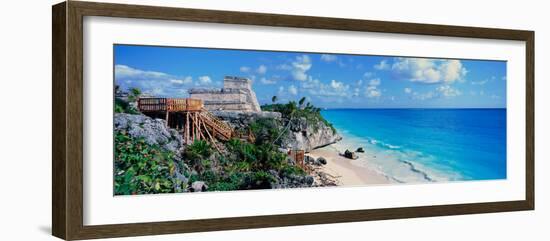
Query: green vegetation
{"x": 122, "y": 105}
{"x": 293, "y": 110}
{"x": 274, "y": 99}
{"x": 244, "y": 166}
{"x": 141, "y": 168}
{"x": 267, "y": 131}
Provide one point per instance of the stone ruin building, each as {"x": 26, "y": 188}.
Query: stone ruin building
{"x": 236, "y": 95}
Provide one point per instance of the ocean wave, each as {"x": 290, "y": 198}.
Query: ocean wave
{"x": 414, "y": 169}
{"x": 396, "y": 163}
{"x": 383, "y": 144}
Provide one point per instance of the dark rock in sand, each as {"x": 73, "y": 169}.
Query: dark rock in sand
{"x": 350, "y": 154}
{"x": 321, "y": 161}
{"x": 360, "y": 149}
{"x": 309, "y": 160}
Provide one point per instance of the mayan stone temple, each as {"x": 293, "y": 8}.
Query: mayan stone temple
{"x": 236, "y": 95}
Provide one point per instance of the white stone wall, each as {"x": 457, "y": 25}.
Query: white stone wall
{"x": 237, "y": 93}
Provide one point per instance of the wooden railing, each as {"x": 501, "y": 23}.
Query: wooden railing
{"x": 219, "y": 126}
{"x": 152, "y": 104}
{"x": 191, "y": 106}
{"x": 169, "y": 104}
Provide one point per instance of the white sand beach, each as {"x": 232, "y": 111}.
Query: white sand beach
{"x": 346, "y": 171}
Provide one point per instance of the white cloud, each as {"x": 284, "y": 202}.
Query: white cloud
{"x": 186, "y": 80}
{"x": 267, "y": 81}
{"x": 356, "y": 91}
{"x": 429, "y": 71}
{"x": 424, "y": 96}
{"x": 281, "y": 90}
{"x": 373, "y": 92}
{"x": 310, "y": 83}
{"x": 336, "y": 84}
{"x": 123, "y": 71}
{"x": 292, "y": 90}
{"x": 152, "y": 82}
{"x": 383, "y": 65}
{"x": 342, "y": 64}
{"x": 368, "y": 74}
{"x": 300, "y": 67}
{"x": 328, "y": 57}
{"x": 205, "y": 80}
{"x": 407, "y": 90}
{"x": 284, "y": 67}
{"x": 334, "y": 88}
{"x": 482, "y": 82}
{"x": 245, "y": 69}
{"x": 448, "y": 91}
{"x": 374, "y": 82}
{"x": 262, "y": 69}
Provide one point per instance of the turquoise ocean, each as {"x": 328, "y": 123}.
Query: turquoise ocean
{"x": 426, "y": 145}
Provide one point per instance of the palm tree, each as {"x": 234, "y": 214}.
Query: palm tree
{"x": 274, "y": 99}
{"x": 301, "y": 101}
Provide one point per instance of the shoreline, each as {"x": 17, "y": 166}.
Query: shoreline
{"x": 345, "y": 171}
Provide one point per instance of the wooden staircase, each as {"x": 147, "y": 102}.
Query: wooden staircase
{"x": 219, "y": 128}
{"x": 189, "y": 116}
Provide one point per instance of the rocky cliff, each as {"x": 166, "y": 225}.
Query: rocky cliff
{"x": 307, "y": 136}
{"x": 299, "y": 133}
{"x": 242, "y": 119}
{"x": 153, "y": 131}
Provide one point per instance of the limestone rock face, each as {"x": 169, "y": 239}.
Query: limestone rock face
{"x": 304, "y": 136}
{"x": 300, "y": 134}
{"x": 242, "y": 119}
{"x": 198, "y": 186}
{"x": 153, "y": 131}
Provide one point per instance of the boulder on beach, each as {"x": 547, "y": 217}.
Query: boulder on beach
{"x": 309, "y": 160}
{"x": 360, "y": 149}
{"x": 321, "y": 161}
{"x": 351, "y": 155}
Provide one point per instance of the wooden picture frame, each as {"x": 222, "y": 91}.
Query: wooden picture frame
{"x": 67, "y": 123}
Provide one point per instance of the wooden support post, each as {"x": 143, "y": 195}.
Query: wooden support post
{"x": 211, "y": 138}
{"x": 193, "y": 131}
{"x": 199, "y": 126}
{"x": 195, "y": 124}
{"x": 167, "y": 115}
{"x": 187, "y": 128}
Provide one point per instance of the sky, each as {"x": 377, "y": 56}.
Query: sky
{"x": 326, "y": 80}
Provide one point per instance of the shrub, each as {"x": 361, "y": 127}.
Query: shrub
{"x": 141, "y": 168}
{"x": 122, "y": 106}
{"x": 260, "y": 180}
{"x": 266, "y": 130}
{"x": 198, "y": 154}
{"x": 292, "y": 110}
{"x": 289, "y": 170}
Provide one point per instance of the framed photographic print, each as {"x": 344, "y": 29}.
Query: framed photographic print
{"x": 171, "y": 120}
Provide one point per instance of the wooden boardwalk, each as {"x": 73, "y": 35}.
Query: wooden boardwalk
{"x": 190, "y": 117}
